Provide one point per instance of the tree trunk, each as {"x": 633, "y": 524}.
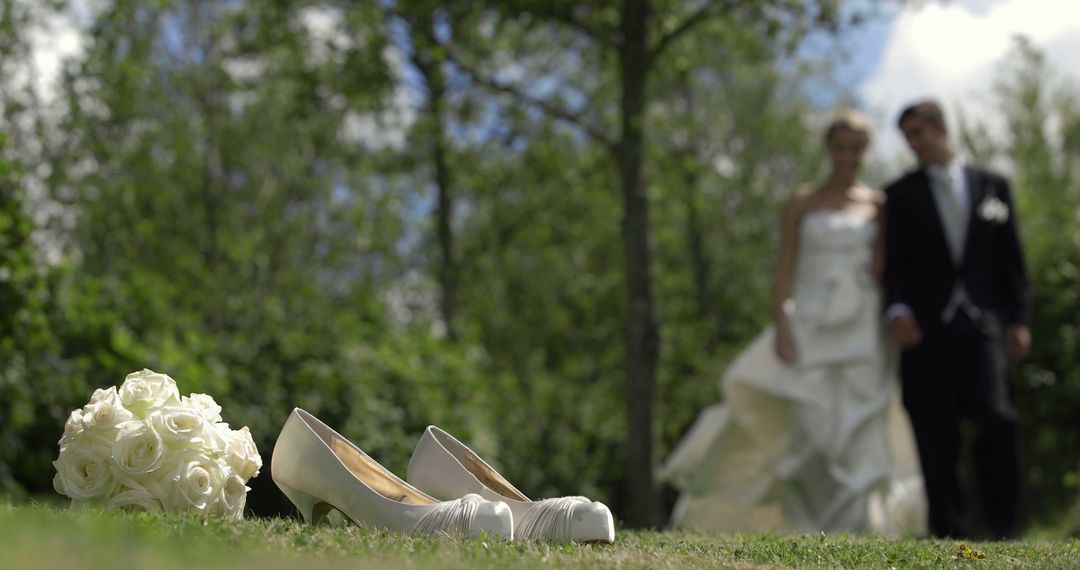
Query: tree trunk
{"x": 448, "y": 274}
{"x": 207, "y": 102}
{"x": 432, "y": 71}
{"x": 644, "y": 507}
{"x": 695, "y": 245}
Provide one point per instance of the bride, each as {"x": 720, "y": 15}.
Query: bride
{"x": 810, "y": 436}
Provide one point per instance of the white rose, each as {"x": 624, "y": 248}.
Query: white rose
{"x": 179, "y": 426}
{"x": 205, "y": 405}
{"x": 82, "y": 472}
{"x": 138, "y": 449}
{"x": 104, "y": 395}
{"x": 197, "y": 482}
{"x": 72, "y": 427}
{"x": 241, "y": 453}
{"x": 76, "y": 430}
{"x": 146, "y": 390}
{"x": 135, "y": 498}
{"x": 100, "y": 437}
{"x": 234, "y": 497}
{"x": 105, "y": 410}
{"x": 216, "y": 438}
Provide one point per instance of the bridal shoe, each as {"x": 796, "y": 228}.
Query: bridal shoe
{"x": 322, "y": 472}
{"x": 444, "y": 467}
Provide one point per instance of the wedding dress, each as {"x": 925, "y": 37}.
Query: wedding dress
{"x": 822, "y": 444}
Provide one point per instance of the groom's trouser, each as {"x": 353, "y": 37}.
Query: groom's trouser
{"x": 959, "y": 370}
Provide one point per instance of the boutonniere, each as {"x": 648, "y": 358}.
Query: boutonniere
{"x": 992, "y": 209}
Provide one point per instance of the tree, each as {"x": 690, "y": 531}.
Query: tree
{"x": 423, "y": 21}
{"x": 1041, "y": 147}
{"x": 635, "y": 35}
{"x": 24, "y": 336}
{"x": 280, "y": 203}
{"x": 1043, "y": 122}
{"x": 27, "y": 341}
{"x": 228, "y": 228}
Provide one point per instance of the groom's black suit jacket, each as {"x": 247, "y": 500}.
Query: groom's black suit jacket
{"x": 921, "y": 273}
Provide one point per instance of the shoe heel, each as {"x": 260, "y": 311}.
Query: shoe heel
{"x": 313, "y": 509}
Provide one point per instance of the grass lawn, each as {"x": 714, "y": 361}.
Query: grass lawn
{"x": 40, "y": 538}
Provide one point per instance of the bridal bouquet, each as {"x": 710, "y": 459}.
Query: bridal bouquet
{"x": 145, "y": 447}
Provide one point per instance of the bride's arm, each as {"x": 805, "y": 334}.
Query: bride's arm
{"x": 785, "y": 272}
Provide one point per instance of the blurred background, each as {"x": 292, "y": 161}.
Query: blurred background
{"x": 546, "y": 226}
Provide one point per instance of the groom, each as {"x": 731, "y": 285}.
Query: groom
{"x": 958, "y": 304}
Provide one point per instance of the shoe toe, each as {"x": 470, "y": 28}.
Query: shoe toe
{"x": 494, "y": 518}
{"x": 592, "y": 522}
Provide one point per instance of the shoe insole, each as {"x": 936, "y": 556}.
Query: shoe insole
{"x": 479, "y": 468}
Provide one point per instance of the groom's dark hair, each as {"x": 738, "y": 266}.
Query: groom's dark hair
{"x": 928, "y": 109}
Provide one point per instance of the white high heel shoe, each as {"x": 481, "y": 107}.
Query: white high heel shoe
{"x": 321, "y": 471}
{"x": 444, "y": 467}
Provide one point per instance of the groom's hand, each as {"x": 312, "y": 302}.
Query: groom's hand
{"x": 1019, "y": 342}
{"x": 905, "y": 330}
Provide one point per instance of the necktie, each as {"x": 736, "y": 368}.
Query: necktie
{"x": 953, "y": 216}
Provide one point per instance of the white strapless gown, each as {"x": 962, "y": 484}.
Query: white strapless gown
{"x": 823, "y": 444}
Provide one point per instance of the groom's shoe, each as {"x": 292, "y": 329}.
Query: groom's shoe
{"x": 321, "y": 471}
{"x": 444, "y": 467}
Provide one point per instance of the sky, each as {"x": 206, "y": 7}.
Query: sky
{"x": 950, "y": 50}
{"x": 947, "y": 49}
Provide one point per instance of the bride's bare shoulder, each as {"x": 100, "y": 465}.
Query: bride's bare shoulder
{"x": 801, "y": 198}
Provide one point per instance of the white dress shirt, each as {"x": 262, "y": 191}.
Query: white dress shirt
{"x": 949, "y": 187}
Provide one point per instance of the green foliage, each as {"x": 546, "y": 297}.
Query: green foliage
{"x": 1044, "y": 118}
{"x": 546, "y": 299}
{"x": 24, "y": 334}
{"x": 225, "y": 233}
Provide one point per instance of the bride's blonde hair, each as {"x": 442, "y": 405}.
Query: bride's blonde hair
{"x": 850, "y": 120}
